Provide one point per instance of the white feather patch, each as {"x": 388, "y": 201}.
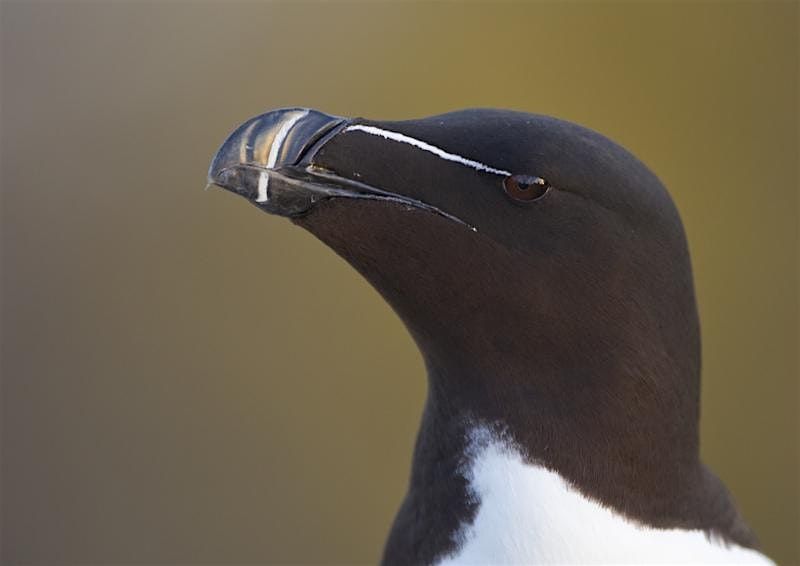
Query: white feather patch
{"x": 530, "y": 515}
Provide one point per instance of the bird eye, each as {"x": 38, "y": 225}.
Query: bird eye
{"x": 525, "y": 187}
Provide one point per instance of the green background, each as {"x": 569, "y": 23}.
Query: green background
{"x": 188, "y": 380}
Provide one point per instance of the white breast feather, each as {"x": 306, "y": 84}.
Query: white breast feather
{"x": 530, "y": 515}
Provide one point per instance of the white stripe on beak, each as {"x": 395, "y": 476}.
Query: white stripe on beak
{"x": 277, "y": 142}
{"x": 263, "y": 183}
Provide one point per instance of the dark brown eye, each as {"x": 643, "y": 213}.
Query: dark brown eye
{"x": 525, "y": 187}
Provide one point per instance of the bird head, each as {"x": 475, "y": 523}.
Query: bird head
{"x": 487, "y": 230}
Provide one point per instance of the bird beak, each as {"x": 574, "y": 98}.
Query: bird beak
{"x": 264, "y": 159}
{"x": 270, "y": 161}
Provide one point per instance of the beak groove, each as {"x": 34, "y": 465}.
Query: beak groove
{"x": 270, "y": 141}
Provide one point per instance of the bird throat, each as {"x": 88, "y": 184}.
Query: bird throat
{"x": 481, "y": 491}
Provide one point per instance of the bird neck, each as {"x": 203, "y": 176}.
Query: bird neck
{"x": 438, "y": 502}
{"x": 661, "y": 486}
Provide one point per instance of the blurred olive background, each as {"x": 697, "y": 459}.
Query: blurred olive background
{"x": 188, "y": 380}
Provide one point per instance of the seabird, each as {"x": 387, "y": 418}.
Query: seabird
{"x": 544, "y": 273}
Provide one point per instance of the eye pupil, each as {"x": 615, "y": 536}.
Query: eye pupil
{"x": 525, "y": 187}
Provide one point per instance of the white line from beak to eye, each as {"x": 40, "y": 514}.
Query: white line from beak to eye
{"x": 424, "y": 146}
{"x": 277, "y": 142}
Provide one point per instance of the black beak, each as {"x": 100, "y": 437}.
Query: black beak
{"x": 264, "y": 158}
{"x": 270, "y": 161}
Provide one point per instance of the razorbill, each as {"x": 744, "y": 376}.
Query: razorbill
{"x": 543, "y": 272}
